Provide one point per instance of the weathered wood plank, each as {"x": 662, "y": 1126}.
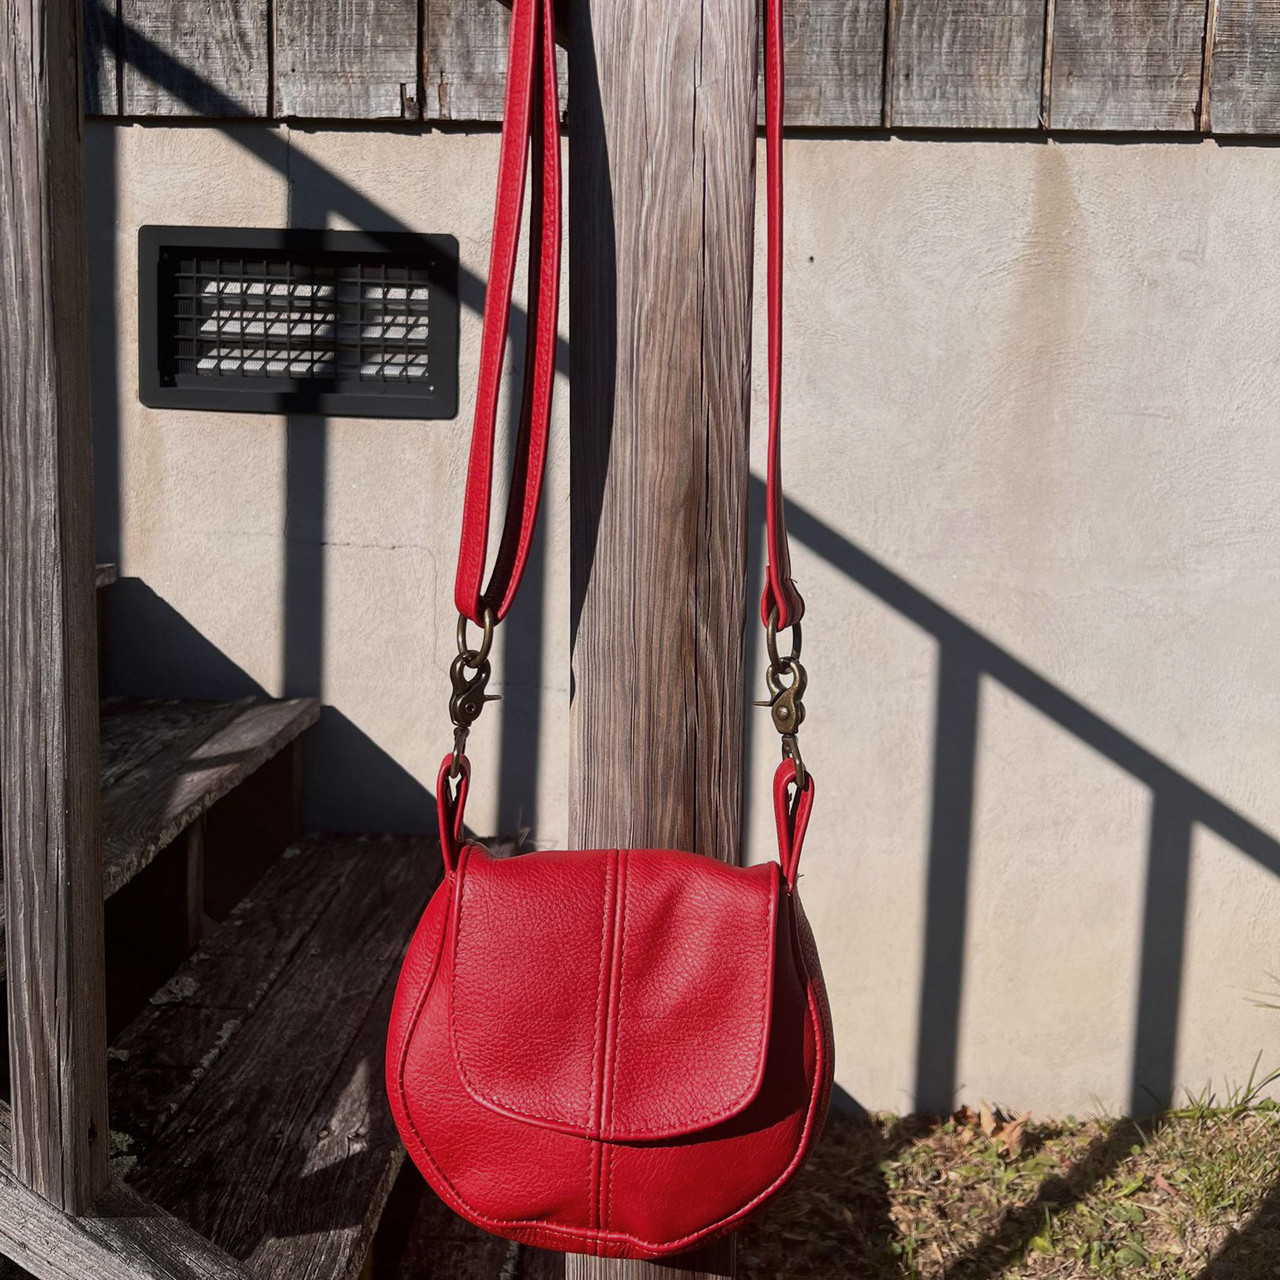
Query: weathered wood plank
{"x": 145, "y": 808}
{"x": 123, "y": 1236}
{"x": 349, "y": 60}
{"x": 1126, "y": 64}
{"x": 195, "y": 57}
{"x": 131, "y": 733}
{"x": 835, "y": 63}
{"x": 285, "y": 1151}
{"x": 162, "y": 765}
{"x": 48, "y": 662}
{"x": 158, "y": 1060}
{"x": 432, "y": 1240}
{"x": 465, "y": 59}
{"x": 663, "y": 144}
{"x": 966, "y": 64}
{"x": 1244, "y": 90}
{"x": 101, "y": 57}
{"x": 464, "y": 70}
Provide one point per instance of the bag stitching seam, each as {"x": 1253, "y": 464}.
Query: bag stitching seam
{"x": 555, "y": 1231}
{"x": 650, "y": 1132}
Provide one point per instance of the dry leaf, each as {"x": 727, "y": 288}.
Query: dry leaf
{"x": 987, "y": 1119}
{"x": 1014, "y": 1134}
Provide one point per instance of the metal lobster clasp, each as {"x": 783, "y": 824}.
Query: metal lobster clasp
{"x": 787, "y": 681}
{"x": 469, "y": 695}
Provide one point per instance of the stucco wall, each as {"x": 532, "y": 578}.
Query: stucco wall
{"x": 1032, "y": 397}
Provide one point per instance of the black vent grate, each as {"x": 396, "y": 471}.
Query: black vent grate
{"x": 315, "y": 322}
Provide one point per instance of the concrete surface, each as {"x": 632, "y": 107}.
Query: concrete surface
{"x": 1032, "y": 398}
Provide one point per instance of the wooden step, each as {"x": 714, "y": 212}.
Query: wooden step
{"x": 247, "y": 1098}
{"x": 165, "y": 763}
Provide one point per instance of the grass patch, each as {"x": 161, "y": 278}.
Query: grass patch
{"x": 1192, "y": 1195}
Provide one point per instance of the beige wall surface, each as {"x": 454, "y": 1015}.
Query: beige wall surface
{"x": 1032, "y": 398}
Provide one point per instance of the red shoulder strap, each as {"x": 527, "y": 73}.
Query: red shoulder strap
{"x": 531, "y": 127}
{"x": 779, "y": 591}
{"x": 532, "y": 115}
{"x": 531, "y": 140}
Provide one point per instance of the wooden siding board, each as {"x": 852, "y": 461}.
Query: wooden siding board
{"x": 101, "y": 34}
{"x": 1127, "y": 64}
{"x": 347, "y": 60}
{"x": 464, "y": 60}
{"x": 1244, "y": 89}
{"x": 974, "y": 64}
{"x": 195, "y": 57}
{"x": 48, "y": 662}
{"x": 834, "y": 53}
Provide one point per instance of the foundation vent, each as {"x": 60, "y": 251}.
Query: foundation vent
{"x": 323, "y": 322}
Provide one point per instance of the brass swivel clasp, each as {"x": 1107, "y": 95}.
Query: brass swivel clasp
{"x": 786, "y": 680}
{"x": 469, "y": 673}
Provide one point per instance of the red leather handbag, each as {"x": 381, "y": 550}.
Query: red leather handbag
{"x": 619, "y": 1052}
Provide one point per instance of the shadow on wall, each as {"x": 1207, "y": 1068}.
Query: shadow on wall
{"x": 353, "y": 778}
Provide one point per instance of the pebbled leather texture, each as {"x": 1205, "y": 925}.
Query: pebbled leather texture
{"x": 617, "y": 1052}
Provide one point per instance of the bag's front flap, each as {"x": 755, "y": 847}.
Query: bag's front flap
{"x": 622, "y": 994}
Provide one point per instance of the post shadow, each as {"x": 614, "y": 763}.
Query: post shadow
{"x": 593, "y": 302}
{"x": 1164, "y": 918}
{"x": 955, "y": 749}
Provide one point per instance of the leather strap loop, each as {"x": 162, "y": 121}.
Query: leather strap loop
{"x": 792, "y": 817}
{"x": 449, "y": 811}
{"x": 531, "y": 124}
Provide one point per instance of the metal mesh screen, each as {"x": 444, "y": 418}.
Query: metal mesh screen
{"x": 298, "y": 320}
{"x": 346, "y": 320}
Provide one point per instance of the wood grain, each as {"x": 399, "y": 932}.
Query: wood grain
{"x": 161, "y": 794}
{"x": 123, "y": 1236}
{"x": 464, "y": 60}
{"x": 661, "y": 218}
{"x": 159, "y": 1059}
{"x": 347, "y": 60}
{"x": 162, "y": 765}
{"x": 967, "y": 64}
{"x": 834, "y": 51}
{"x": 1127, "y": 64}
{"x": 1244, "y": 88}
{"x": 48, "y": 663}
{"x": 284, "y": 1151}
{"x": 195, "y": 57}
{"x": 101, "y": 57}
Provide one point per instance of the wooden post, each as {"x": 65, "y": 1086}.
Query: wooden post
{"x": 661, "y": 206}
{"x": 48, "y": 671}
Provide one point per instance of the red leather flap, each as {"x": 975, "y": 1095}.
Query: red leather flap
{"x": 622, "y": 994}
